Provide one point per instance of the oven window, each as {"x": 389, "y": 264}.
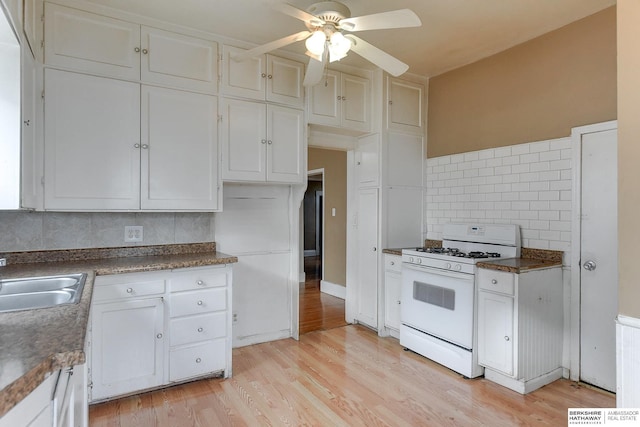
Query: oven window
{"x": 434, "y": 295}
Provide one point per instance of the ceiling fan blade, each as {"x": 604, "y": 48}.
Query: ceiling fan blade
{"x": 300, "y": 14}
{"x": 378, "y": 57}
{"x": 315, "y": 69}
{"x": 276, "y": 44}
{"x": 402, "y": 18}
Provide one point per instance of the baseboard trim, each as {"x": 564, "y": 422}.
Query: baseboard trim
{"x": 333, "y": 289}
{"x": 260, "y": 338}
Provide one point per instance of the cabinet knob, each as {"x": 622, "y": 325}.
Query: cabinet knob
{"x": 145, "y": 51}
{"x": 393, "y": 263}
{"x": 399, "y": 302}
{"x": 263, "y": 75}
{"x": 159, "y": 336}
{"x": 269, "y": 76}
{"x": 344, "y": 98}
{"x": 338, "y": 97}
{"x": 145, "y": 146}
{"x": 506, "y": 338}
{"x": 129, "y": 290}
{"x": 200, "y": 283}
{"x": 264, "y": 141}
{"x": 198, "y": 360}
{"x": 269, "y": 142}
{"x": 200, "y": 302}
{"x": 494, "y": 281}
{"x": 200, "y": 329}
{"x": 27, "y": 122}
{"x": 136, "y": 49}
{"x": 390, "y": 102}
{"x": 136, "y": 145}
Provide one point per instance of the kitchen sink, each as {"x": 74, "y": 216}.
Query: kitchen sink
{"x": 40, "y": 292}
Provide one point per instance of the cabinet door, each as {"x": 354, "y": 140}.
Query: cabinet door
{"x": 243, "y": 140}
{"x": 33, "y": 26}
{"x": 368, "y": 161}
{"x": 179, "y": 150}
{"x": 243, "y": 78}
{"x": 325, "y": 101}
{"x": 128, "y": 347}
{"x": 495, "y": 332}
{"x": 405, "y": 105}
{"x": 284, "y": 81}
{"x": 367, "y": 257}
{"x": 285, "y": 144}
{"x": 355, "y": 102}
{"x": 31, "y": 149}
{"x": 89, "y": 42}
{"x": 392, "y": 285}
{"x": 92, "y": 128}
{"x": 177, "y": 60}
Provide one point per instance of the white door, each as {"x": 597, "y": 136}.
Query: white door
{"x": 367, "y": 238}
{"x": 92, "y": 142}
{"x": 355, "y": 102}
{"x": 284, "y": 81}
{"x": 285, "y": 133}
{"x": 128, "y": 347}
{"x": 179, "y": 150}
{"x": 599, "y": 259}
{"x": 243, "y": 140}
{"x": 178, "y": 60}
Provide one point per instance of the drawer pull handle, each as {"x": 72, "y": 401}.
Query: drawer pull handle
{"x": 198, "y": 360}
{"x": 199, "y": 302}
{"x": 494, "y": 281}
{"x": 393, "y": 263}
{"x": 159, "y": 336}
{"x": 200, "y": 283}
{"x": 506, "y": 338}
{"x": 200, "y": 329}
{"x": 129, "y": 290}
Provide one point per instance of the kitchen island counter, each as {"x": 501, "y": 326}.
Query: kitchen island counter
{"x": 36, "y": 343}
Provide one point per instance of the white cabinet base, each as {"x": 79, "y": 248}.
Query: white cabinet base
{"x": 521, "y": 386}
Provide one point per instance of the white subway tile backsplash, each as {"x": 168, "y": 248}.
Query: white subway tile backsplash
{"x": 525, "y": 184}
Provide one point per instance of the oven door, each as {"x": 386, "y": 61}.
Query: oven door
{"x": 439, "y": 303}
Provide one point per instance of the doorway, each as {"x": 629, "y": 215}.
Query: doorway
{"x": 318, "y": 310}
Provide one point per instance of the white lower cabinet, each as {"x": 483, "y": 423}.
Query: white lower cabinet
{"x": 35, "y": 409}
{"x": 392, "y": 286}
{"x": 520, "y": 323}
{"x": 152, "y": 329}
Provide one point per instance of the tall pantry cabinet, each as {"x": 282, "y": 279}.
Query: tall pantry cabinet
{"x": 130, "y": 116}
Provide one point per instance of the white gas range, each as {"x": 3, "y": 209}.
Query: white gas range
{"x": 438, "y": 311}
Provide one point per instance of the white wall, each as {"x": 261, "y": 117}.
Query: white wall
{"x": 524, "y": 184}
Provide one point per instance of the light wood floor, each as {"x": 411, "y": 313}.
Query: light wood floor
{"x": 318, "y": 311}
{"x": 346, "y": 376}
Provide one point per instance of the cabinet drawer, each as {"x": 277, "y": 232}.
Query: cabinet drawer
{"x": 194, "y": 329}
{"x": 198, "y": 280}
{"x": 197, "y": 360}
{"x": 196, "y": 302}
{"x": 127, "y": 290}
{"x": 393, "y": 263}
{"x": 496, "y": 281}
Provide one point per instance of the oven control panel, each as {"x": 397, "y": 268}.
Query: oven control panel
{"x": 442, "y": 264}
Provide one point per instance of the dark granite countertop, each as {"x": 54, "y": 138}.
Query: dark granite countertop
{"x": 35, "y": 343}
{"x": 518, "y": 265}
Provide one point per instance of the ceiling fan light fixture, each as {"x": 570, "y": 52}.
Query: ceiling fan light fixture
{"x": 315, "y": 43}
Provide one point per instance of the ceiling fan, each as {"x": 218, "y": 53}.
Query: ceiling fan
{"x": 328, "y": 36}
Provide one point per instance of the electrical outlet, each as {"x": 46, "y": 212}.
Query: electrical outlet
{"x": 3, "y": 262}
{"x": 133, "y": 233}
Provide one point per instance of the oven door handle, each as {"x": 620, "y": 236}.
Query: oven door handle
{"x": 438, "y": 271}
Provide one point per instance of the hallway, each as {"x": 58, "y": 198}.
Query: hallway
{"x": 318, "y": 311}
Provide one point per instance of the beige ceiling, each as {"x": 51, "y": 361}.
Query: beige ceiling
{"x": 453, "y": 32}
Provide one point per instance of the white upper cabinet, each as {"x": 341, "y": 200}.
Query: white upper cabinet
{"x": 33, "y": 26}
{"x": 180, "y": 164}
{"x": 262, "y": 142}
{"x": 111, "y": 47}
{"x": 108, "y": 149}
{"x": 341, "y": 100}
{"x": 92, "y": 135}
{"x": 405, "y": 106}
{"x": 264, "y": 78}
